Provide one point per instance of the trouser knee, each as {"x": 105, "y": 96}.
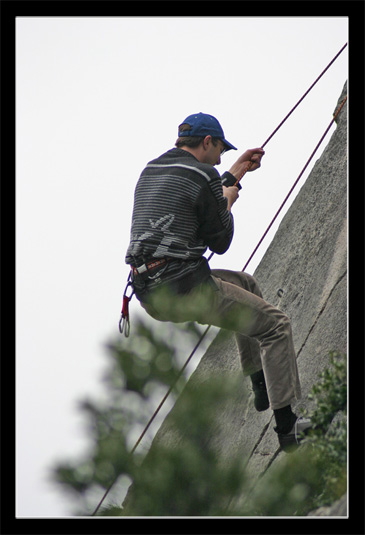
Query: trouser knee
{"x": 240, "y": 279}
{"x": 283, "y": 322}
{"x": 253, "y": 285}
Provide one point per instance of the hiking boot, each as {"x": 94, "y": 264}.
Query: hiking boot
{"x": 261, "y": 400}
{"x": 290, "y": 441}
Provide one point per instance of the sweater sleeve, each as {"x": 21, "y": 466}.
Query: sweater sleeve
{"x": 215, "y": 221}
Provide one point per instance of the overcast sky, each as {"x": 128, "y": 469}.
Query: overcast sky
{"x": 97, "y": 98}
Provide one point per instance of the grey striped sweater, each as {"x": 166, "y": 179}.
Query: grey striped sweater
{"x": 179, "y": 211}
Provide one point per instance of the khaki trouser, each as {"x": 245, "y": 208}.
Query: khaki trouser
{"x": 263, "y": 333}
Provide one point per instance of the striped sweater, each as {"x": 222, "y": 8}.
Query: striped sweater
{"x": 179, "y": 211}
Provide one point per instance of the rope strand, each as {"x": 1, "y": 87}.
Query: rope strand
{"x": 295, "y": 183}
{"x": 291, "y": 111}
{"x": 155, "y": 413}
{"x": 303, "y": 97}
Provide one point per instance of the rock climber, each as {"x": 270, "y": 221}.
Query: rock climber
{"x": 182, "y": 207}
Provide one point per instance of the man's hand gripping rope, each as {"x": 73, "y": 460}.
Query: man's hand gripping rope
{"x": 250, "y": 160}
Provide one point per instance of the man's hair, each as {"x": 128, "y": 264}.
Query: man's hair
{"x": 190, "y": 141}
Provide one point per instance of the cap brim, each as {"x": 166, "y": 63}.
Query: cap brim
{"x": 228, "y": 145}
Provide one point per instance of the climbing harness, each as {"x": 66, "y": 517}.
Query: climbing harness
{"x": 124, "y": 323}
{"x": 147, "y": 267}
{"x": 138, "y": 275}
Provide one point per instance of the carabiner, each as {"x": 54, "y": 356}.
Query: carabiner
{"x": 124, "y": 326}
{"x": 124, "y": 322}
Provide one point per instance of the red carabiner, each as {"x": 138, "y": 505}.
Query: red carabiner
{"x": 124, "y": 322}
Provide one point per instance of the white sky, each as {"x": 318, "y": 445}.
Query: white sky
{"x": 96, "y": 99}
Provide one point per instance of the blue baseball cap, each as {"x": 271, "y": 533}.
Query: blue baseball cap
{"x": 203, "y": 125}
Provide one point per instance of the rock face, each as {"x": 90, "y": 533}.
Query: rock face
{"x": 307, "y": 259}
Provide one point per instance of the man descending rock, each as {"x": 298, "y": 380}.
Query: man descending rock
{"x": 182, "y": 206}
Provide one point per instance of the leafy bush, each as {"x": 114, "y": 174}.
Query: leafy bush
{"x": 330, "y": 414}
{"x": 187, "y": 475}
{"x": 140, "y": 369}
{"x": 316, "y": 474}
{"x": 188, "y": 479}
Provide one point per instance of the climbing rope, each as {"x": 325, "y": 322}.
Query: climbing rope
{"x": 296, "y": 105}
{"x": 295, "y": 183}
{"x": 305, "y": 94}
{"x": 248, "y": 261}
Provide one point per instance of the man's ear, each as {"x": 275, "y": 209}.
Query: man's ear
{"x": 206, "y": 142}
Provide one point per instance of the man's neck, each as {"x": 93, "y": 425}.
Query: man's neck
{"x": 195, "y": 151}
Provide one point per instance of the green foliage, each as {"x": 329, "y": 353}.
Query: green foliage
{"x": 330, "y": 393}
{"x": 140, "y": 369}
{"x": 316, "y": 474}
{"x": 186, "y": 473}
{"x": 330, "y": 414}
{"x": 189, "y": 477}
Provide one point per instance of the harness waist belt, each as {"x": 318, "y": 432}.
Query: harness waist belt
{"x": 147, "y": 267}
